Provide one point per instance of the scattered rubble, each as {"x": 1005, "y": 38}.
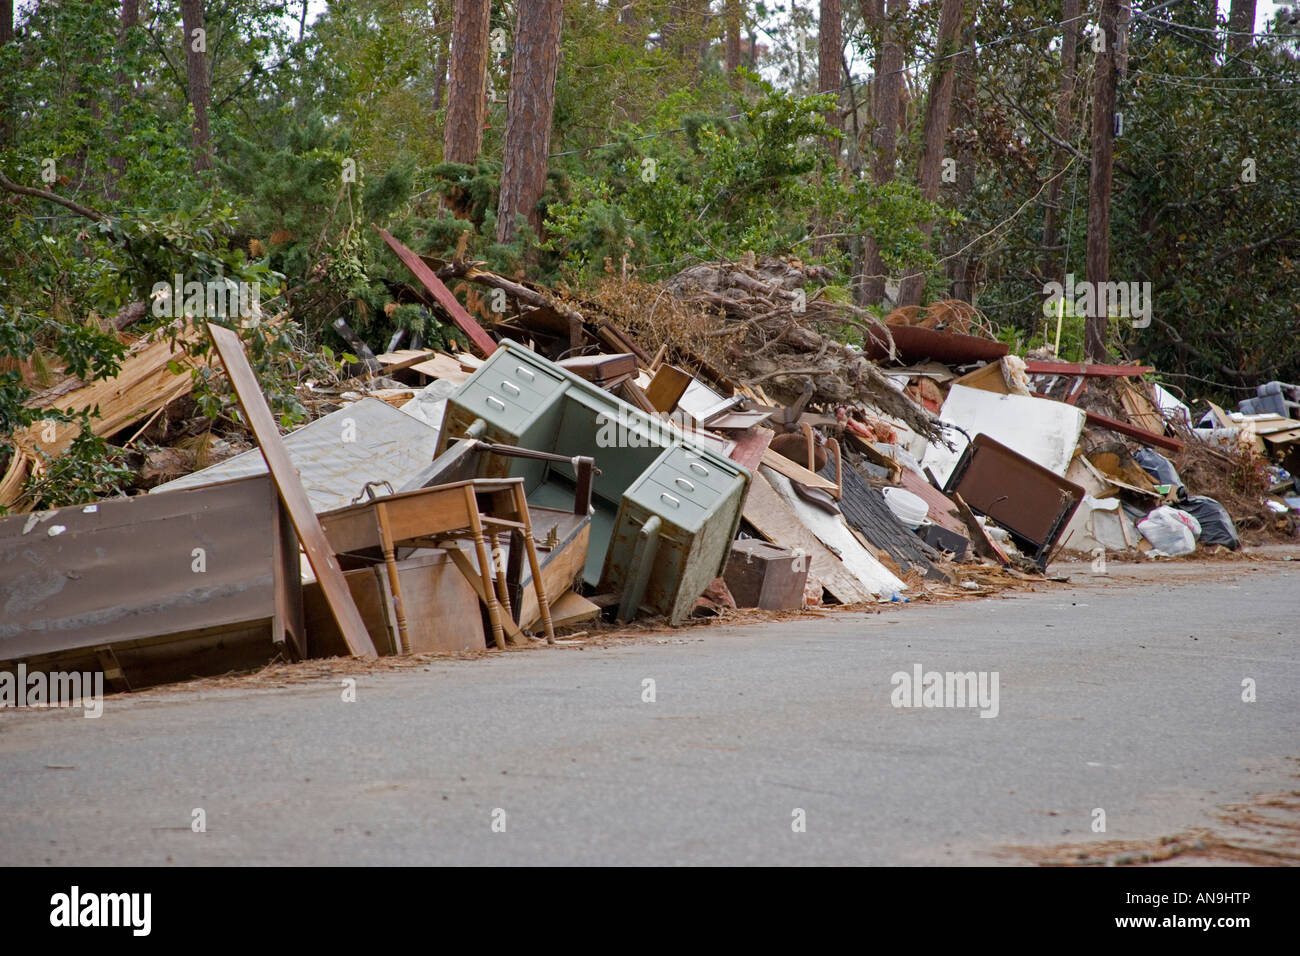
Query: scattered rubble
{"x": 648, "y": 453}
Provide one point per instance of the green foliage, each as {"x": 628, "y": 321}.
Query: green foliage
{"x": 89, "y": 469}
{"x": 766, "y": 185}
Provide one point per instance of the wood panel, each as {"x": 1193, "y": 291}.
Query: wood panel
{"x": 319, "y": 556}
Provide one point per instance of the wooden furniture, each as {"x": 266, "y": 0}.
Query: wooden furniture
{"x": 435, "y": 517}
{"x": 165, "y": 587}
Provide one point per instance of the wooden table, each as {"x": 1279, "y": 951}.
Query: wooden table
{"x": 433, "y": 516}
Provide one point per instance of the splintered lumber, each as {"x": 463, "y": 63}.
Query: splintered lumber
{"x": 143, "y": 384}
{"x": 776, "y": 521}
{"x": 795, "y": 471}
{"x": 323, "y": 563}
{"x": 984, "y": 546}
{"x": 464, "y": 321}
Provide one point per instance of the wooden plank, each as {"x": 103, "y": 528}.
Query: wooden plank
{"x": 464, "y": 321}
{"x": 561, "y": 566}
{"x": 667, "y": 387}
{"x": 989, "y": 378}
{"x": 776, "y": 521}
{"x": 796, "y": 472}
{"x": 398, "y": 364}
{"x": 470, "y": 573}
{"x": 979, "y": 538}
{"x": 1093, "y": 370}
{"x": 319, "y": 555}
{"x": 1132, "y": 431}
{"x": 142, "y": 385}
{"x": 571, "y": 609}
{"x": 750, "y": 446}
{"x": 1139, "y": 407}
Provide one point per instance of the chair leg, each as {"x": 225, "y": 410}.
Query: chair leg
{"x": 521, "y": 506}
{"x": 499, "y": 569}
{"x": 485, "y": 570}
{"x": 390, "y": 561}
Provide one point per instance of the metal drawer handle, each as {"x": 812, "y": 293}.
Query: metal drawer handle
{"x": 688, "y": 485}
{"x": 493, "y": 400}
{"x": 511, "y": 387}
{"x": 700, "y": 469}
{"x": 675, "y": 502}
{"x": 525, "y": 372}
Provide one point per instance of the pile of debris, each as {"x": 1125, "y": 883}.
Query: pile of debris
{"x": 646, "y": 452}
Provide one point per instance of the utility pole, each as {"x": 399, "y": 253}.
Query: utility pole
{"x": 1106, "y": 47}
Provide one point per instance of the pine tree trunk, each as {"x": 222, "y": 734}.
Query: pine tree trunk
{"x": 1241, "y": 20}
{"x": 467, "y": 88}
{"x": 529, "y": 111}
{"x": 888, "y": 87}
{"x": 934, "y": 131}
{"x": 830, "y": 49}
{"x": 6, "y": 37}
{"x": 1099, "y": 180}
{"x": 1053, "y": 264}
{"x": 731, "y": 53}
{"x": 125, "y": 90}
{"x": 200, "y": 84}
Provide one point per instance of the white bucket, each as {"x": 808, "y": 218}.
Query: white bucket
{"x": 908, "y": 508}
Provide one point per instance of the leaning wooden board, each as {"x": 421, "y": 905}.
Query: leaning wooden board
{"x": 305, "y": 523}
{"x": 775, "y": 520}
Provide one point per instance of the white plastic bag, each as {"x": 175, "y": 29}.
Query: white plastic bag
{"x": 1170, "y": 531}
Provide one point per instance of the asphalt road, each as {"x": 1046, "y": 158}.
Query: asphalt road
{"x": 1122, "y": 693}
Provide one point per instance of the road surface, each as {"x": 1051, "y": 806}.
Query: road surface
{"x": 1121, "y": 693}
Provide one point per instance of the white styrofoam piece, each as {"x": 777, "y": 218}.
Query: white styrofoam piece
{"x": 831, "y": 531}
{"x": 1042, "y": 430}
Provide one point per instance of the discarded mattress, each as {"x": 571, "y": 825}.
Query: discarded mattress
{"x": 336, "y": 455}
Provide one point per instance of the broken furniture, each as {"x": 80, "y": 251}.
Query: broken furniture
{"x": 432, "y": 517}
{"x": 289, "y": 486}
{"x": 766, "y": 576}
{"x": 153, "y": 588}
{"x": 1040, "y": 429}
{"x": 1030, "y": 501}
{"x": 442, "y": 609}
{"x": 656, "y": 487}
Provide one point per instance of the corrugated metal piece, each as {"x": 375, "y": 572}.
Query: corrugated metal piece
{"x": 337, "y": 454}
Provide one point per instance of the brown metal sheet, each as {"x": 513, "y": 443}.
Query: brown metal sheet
{"x": 130, "y": 569}
{"x": 915, "y": 344}
{"x": 319, "y": 555}
{"x": 1021, "y": 495}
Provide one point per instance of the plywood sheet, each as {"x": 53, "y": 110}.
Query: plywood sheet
{"x": 776, "y": 521}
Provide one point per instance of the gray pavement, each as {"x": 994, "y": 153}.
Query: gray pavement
{"x": 1121, "y": 692}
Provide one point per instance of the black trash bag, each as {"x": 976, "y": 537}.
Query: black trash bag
{"x": 1216, "y": 523}
{"x": 1161, "y": 470}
